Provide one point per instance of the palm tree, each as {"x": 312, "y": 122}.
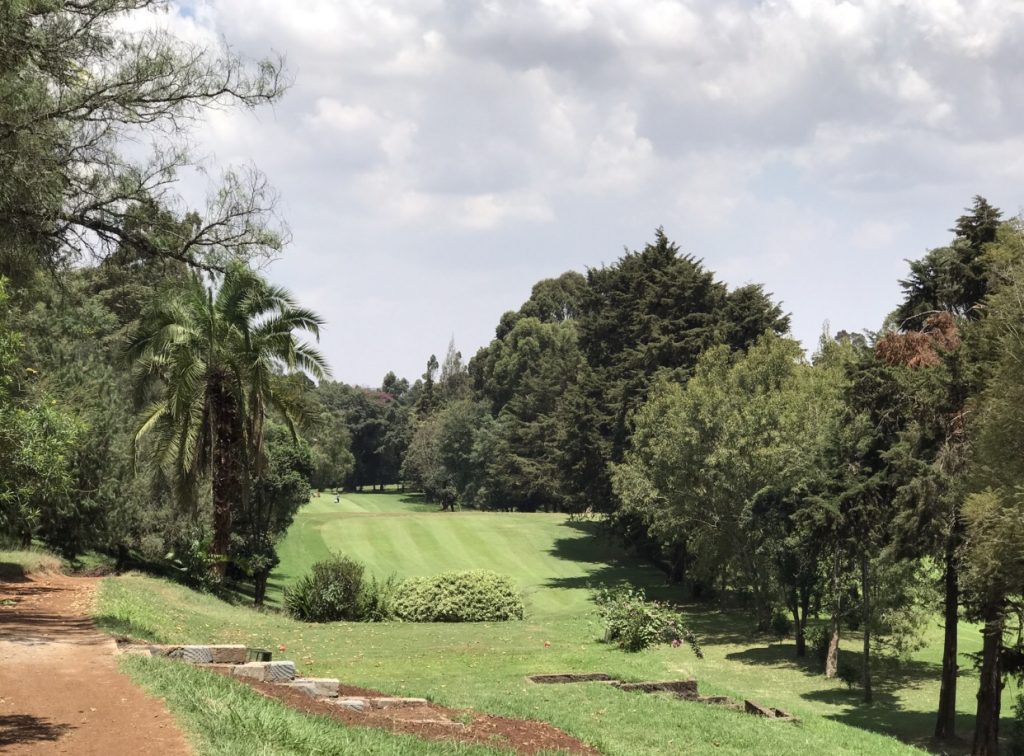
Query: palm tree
{"x": 210, "y": 363}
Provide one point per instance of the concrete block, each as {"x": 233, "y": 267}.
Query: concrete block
{"x": 768, "y": 712}
{"x": 716, "y": 700}
{"x": 571, "y": 677}
{"x": 192, "y": 654}
{"x": 317, "y": 687}
{"x": 273, "y": 671}
{"x": 202, "y": 654}
{"x": 349, "y": 702}
{"x": 228, "y": 654}
{"x": 396, "y": 703}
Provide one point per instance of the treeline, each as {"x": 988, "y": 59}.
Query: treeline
{"x": 538, "y": 417}
{"x": 878, "y": 482}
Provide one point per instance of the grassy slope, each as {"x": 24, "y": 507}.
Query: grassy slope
{"x": 16, "y": 562}
{"x": 483, "y": 666}
{"x": 224, "y": 718}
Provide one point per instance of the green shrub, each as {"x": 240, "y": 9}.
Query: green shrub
{"x": 193, "y": 554}
{"x": 467, "y": 596}
{"x": 331, "y": 591}
{"x": 1016, "y": 744}
{"x": 378, "y": 600}
{"x": 634, "y": 623}
{"x": 848, "y": 672}
{"x": 782, "y": 626}
{"x": 818, "y": 637}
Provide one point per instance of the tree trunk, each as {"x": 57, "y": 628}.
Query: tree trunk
{"x": 865, "y": 574}
{"x": 945, "y": 725}
{"x": 677, "y": 568}
{"x": 801, "y": 602}
{"x": 228, "y": 471}
{"x": 121, "y": 562}
{"x": 764, "y": 613}
{"x": 798, "y": 633}
{"x": 832, "y": 659}
{"x": 990, "y": 687}
{"x": 259, "y": 584}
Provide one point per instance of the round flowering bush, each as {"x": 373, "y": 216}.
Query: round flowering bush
{"x": 466, "y": 596}
{"x": 633, "y": 623}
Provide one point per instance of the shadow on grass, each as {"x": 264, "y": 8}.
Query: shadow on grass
{"x": 720, "y": 627}
{"x": 887, "y": 674}
{"x": 887, "y": 714}
{"x": 243, "y": 593}
{"x": 121, "y": 627}
{"x": 608, "y": 564}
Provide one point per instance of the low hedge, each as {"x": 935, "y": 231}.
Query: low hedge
{"x": 465, "y": 596}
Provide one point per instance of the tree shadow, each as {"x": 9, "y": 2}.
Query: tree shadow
{"x": 125, "y": 628}
{"x": 30, "y": 625}
{"x": 12, "y": 572}
{"x": 887, "y": 714}
{"x": 419, "y": 503}
{"x": 609, "y": 564}
{"x": 19, "y": 729}
{"x": 715, "y": 626}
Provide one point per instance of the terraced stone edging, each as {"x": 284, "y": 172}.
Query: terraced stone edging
{"x": 368, "y": 708}
{"x": 684, "y": 689}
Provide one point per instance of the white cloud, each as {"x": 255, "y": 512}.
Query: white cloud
{"x": 786, "y": 138}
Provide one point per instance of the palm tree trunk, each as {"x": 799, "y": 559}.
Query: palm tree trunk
{"x": 228, "y": 471}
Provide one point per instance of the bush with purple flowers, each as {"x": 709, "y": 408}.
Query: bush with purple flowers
{"x": 634, "y": 623}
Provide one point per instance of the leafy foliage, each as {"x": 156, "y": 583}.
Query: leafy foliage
{"x": 466, "y": 596}
{"x": 330, "y": 592}
{"x": 634, "y": 623}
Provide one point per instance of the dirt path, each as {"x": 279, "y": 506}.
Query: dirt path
{"x": 60, "y": 691}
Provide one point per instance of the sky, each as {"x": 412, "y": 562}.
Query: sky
{"x": 436, "y": 159}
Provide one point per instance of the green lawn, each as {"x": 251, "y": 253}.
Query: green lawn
{"x": 483, "y": 666}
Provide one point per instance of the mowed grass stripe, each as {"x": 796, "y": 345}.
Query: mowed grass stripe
{"x": 392, "y": 534}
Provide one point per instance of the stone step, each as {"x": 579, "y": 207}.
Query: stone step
{"x": 135, "y": 650}
{"x": 394, "y": 702}
{"x": 272, "y": 671}
{"x": 351, "y": 702}
{"x": 362, "y": 703}
{"x": 196, "y": 654}
{"x": 571, "y": 677}
{"x": 317, "y": 687}
{"x": 682, "y": 688}
{"x": 768, "y": 712}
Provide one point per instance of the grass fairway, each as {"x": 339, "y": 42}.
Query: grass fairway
{"x": 552, "y": 558}
{"x": 483, "y": 666}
